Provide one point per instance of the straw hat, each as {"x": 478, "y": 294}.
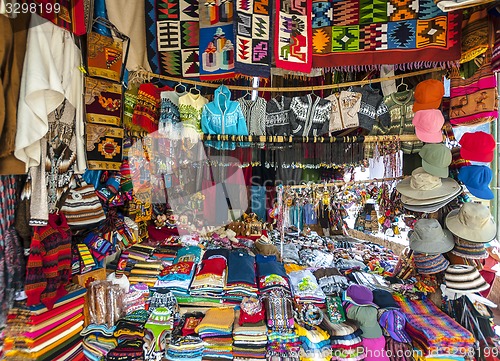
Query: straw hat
{"x": 422, "y": 185}
{"x": 472, "y": 222}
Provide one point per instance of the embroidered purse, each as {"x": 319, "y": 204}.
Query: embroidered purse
{"x": 473, "y": 101}
{"x": 334, "y": 309}
{"x": 105, "y": 56}
{"x": 81, "y": 206}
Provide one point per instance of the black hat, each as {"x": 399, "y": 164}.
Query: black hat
{"x": 384, "y": 299}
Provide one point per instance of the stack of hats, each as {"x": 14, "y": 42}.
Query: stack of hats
{"x": 345, "y": 339}
{"x": 249, "y": 339}
{"x": 461, "y": 278}
{"x": 159, "y": 325}
{"x": 427, "y": 193}
{"x": 477, "y": 147}
{"x": 216, "y": 330}
{"x": 35, "y": 332}
{"x": 428, "y": 119}
{"x": 429, "y": 241}
{"x": 473, "y": 226}
{"x": 390, "y": 317}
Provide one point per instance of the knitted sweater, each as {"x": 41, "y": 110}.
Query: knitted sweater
{"x": 372, "y": 108}
{"x": 310, "y": 115}
{"x": 278, "y": 116}
{"x": 400, "y": 107}
{"x": 345, "y": 108}
{"x": 255, "y": 115}
{"x": 49, "y": 263}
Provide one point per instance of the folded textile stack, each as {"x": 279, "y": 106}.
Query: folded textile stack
{"x": 331, "y": 280}
{"x": 241, "y": 280}
{"x": 165, "y": 254}
{"x": 431, "y": 329}
{"x": 315, "y": 343}
{"x": 36, "y": 333}
{"x": 177, "y": 278}
{"x": 210, "y": 278}
{"x": 271, "y": 275}
{"x": 306, "y": 289}
{"x": 140, "y": 252}
{"x": 98, "y": 341}
{"x": 345, "y": 339}
{"x": 188, "y": 254}
{"x": 249, "y": 339}
{"x": 216, "y": 330}
{"x": 146, "y": 272}
{"x": 185, "y": 342}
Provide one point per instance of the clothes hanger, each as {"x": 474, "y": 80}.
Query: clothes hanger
{"x": 182, "y": 85}
{"x": 195, "y": 89}
{"x": 401, "y": 84}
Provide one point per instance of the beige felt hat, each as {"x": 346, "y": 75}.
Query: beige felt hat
{"x": 472, "y": 222}
{"x": 422, "y": 185}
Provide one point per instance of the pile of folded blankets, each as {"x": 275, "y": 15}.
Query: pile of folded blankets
{"x": 250, "y": 331}
{"x": 216, "y": 330}
{"x": 46, "y": 333}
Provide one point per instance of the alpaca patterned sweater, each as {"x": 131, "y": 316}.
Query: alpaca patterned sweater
{"x": 49, "y": 263}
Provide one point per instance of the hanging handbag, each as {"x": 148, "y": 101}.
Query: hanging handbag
{"x": 105, "y": 55}
{"x": 473, "y": 101}
{"x": 81, "y": 206}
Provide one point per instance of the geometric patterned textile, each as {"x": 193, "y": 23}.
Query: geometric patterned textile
{"x": 172, "y": 37}
{"x": 253, "y": 37}
{"x": 217, "y": 49}
{"x": 293, "y": 33}
{"x": 367, "y": 33}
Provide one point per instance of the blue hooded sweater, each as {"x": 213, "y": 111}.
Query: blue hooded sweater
{"x": 222, "y": 115}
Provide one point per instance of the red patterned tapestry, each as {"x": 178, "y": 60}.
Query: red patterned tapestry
{"x": 292, "y": 35}
{"x": 362, "y": 34}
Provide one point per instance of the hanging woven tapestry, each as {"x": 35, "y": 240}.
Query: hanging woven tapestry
{"x": 103, "y": 101}
{"x": 363, "y": 34}
{"x": 253, "y": 37}
{"x": 172, "y": 35}
{"x": 104, "y": 147}
{"x": 292, "y": 35}
{"x": 217, "y": 53}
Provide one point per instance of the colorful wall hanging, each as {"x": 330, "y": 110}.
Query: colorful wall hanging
{"x": 253, "y": 37}
{"x": 217, "y": 51}
{"x": 360, "y": 34}
{"x": 104, "y": 147}
{"x": 172, "y": 29}
{"x": 293, "y": 33}
{"x": 103, "y": 101}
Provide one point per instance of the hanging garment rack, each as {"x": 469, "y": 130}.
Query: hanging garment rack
{"x": 341, "y": 183}
{"x": 147, "y": 76}
{"x": 291, "y": 139}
